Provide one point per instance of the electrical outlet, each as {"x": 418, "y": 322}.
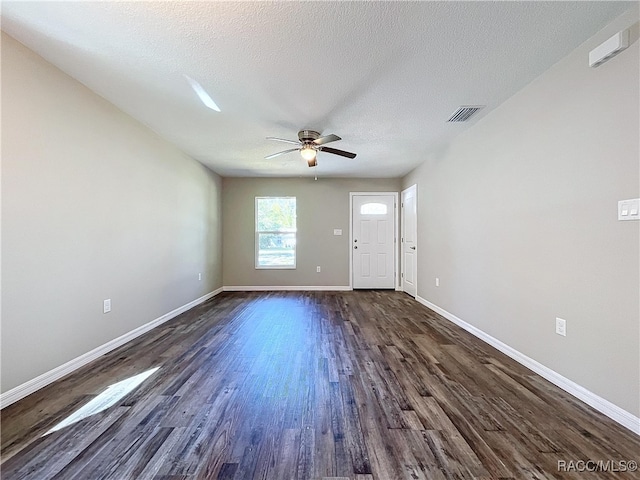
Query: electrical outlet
{"x": 561, "y": 327}
{"x": 318, "y": 269}
{"x": 437, "y": 282}
{"x": 199, "y": 276}
{"x": 106, "y": 306}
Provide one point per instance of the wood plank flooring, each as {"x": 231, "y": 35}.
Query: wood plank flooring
{"x": 356, "y": 385}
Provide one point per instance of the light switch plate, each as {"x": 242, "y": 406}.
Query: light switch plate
{"x": 337, "y": 231}
{"x": 629, "y": 209}
{"x": 106, "y": 307}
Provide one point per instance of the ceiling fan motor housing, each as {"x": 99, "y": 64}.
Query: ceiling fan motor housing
{"x": 308, "y": 136}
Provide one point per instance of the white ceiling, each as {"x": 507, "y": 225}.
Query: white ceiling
{"x": 384, "y": 76}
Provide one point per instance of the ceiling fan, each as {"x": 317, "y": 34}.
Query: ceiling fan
{"x": 309, "y": 144}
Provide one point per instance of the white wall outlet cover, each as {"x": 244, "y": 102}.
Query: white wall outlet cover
{"x": 337, "y": 231}
{"x": 437, "y": 282}
{"x": 106, "y": 307}
{"x": 561, "y": 327}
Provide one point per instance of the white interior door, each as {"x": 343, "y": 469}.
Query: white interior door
{"x": 409, "y": 243}
{"x": 373, "y": 241}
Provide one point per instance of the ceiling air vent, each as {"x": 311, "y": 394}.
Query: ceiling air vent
{"x": 464, "y": 113}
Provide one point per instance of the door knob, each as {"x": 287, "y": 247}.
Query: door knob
{"x": 412, "y": 248}
{"x": 356, "y": 247}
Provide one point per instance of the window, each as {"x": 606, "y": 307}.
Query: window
{"x": 373, "y": 209}
{"x": 275, "y": 232}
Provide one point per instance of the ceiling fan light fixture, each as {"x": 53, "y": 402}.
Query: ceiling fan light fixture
{"x": 308, "y": 153}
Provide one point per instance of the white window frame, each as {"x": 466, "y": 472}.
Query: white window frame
{"x": 258, "y": 232}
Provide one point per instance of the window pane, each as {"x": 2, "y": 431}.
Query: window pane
{"x": 275, "y": 232}
{"x": 373, "y": 209}
{"x": 276, "y": 214}
{"x": 276, "y": 249}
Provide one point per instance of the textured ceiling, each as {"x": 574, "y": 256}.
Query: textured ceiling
{"x": 384, "y": 76}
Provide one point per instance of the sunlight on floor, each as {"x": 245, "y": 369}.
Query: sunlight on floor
{"x": 106, "y": 399}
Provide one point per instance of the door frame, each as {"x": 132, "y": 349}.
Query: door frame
{"x": 396, "y": 230}
{"x": 413, "y": 187}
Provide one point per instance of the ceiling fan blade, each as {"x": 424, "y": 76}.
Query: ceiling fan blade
{"x": 326, "y": 139}
{"x": 281, "y": 153}
{"x": 335, "y": 151}
{"x": 283, "y": 140}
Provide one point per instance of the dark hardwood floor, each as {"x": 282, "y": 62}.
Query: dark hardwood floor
{"x": 309, "y": 385}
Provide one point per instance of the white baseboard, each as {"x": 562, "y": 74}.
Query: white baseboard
{"x": 624, "y": 418}
{"x": 27, "y": 388}
{"x": 267, "y": 288}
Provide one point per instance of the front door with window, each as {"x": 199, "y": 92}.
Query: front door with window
{"x": 373, "y": 241}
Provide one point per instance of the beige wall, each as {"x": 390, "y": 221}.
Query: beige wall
{"x": 94, "y": 206}
{"x": 322, "y": 205}
{"x": 518, "y": 219}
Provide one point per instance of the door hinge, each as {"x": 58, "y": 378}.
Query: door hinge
{"x": 402, "y": 275}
